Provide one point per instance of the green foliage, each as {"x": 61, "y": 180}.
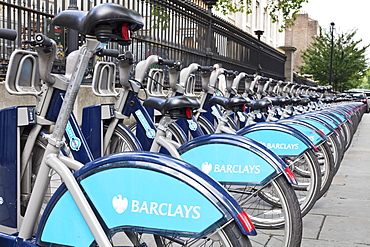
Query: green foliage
{"x": 287, "y": 8}
{"x": 365, "y": 82}
{"x": 349, "y": 61}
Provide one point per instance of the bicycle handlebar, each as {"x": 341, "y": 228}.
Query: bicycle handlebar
{"x": 107, "y": 52}
{"x": 8, "y": 34}
{"x": 206, "y": 68}
{"x": 168, "y": 62}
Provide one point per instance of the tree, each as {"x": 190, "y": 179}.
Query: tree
{"x": 349, "y": 61}
{"x": 365, "y": 82}
{"x": 287, "y": 9}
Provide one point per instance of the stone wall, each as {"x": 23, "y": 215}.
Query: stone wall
{"x": 85, "y": 98}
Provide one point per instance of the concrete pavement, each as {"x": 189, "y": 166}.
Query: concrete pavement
{"x": 341, "y": 218}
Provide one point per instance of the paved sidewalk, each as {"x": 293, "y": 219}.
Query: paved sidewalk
{"x": 342, "y": 217}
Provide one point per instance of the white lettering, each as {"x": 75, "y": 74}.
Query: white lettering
{"x": 196, "y": 213}
{"x": 237, "y": 169}
{"x": 166, "y": 209}
{"x": 160, "y": 208}
{"x": 179, "y": 211}
{"x": 135, "y": 206}
{"x": 187, "y": 210}
{"x": 153, "y": 208}
{"x": 144, "y": 207}
{"x": 281, "y": 146}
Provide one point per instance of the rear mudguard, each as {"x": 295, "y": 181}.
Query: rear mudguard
{"x": 282, "y": 139}
{"x": 328, "y": 119}
{"x": 144, "y": 192}
{"x": 322, "y": 125}
{"x": 232, "y": 159}
{"x": 312, "y": 132}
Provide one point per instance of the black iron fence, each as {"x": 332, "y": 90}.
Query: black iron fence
{"x": 174, "y": 29}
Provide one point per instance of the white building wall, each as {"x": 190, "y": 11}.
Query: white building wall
{"x": 259, "y": 19}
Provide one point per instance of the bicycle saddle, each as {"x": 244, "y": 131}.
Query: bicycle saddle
{"x": 275, "y": 101}
{"x": 314, "y": 97}
{"x": 285, "y": 100}
{"x": 175, "y": 107}
{"x": 235, "y": 103}
{"x": 259, "y": 104}
{"x": 296, "y": 100}
{"x": 305, "y": 101}
{"x": 106, "y": 21}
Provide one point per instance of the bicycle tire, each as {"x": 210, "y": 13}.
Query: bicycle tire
{"x": 273, "y": 209}
{"x": 307, "y": 172}
{"x": 36, "y": 159}
{"x": 326, "y": 162}
{"x": 229, "y": 236}
{"x": 336, "y": 151}
{"x": 120, "y": 141}
{"x": 206, "y": 126}
{"x": 172, "y": 133}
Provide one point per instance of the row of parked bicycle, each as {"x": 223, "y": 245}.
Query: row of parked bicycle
{"x": 237, "y": 164}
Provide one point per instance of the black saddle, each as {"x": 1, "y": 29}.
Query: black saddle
{"x": 275, "y": 101}
{"x": 259, "y": 104}
{"x": 175, "y": 107}
{"x": 305, "y": 101}
{"x": 296, "y": 100}
{"x": 104, "y": 21}
{"x": 235, "y": 103}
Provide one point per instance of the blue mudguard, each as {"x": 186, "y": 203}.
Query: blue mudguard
{"x": 143, "y": 192}
{"x": 232, "y": 159}
{"x": 282, "y": 139}
{"x": 312, "y": 132}
{"x": 323, "y": 126}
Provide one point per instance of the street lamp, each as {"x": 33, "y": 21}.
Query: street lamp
{"x": 331, "y": 55}
{"x": 259, "y": 33}
{"x": 209, "y": 53}
{"x": 72, "y": 34}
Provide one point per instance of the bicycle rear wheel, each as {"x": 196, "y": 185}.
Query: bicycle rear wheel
{"x": 273, "y": 209}
{"x": 229, "y": 236}
{"x": 307, "y": 172}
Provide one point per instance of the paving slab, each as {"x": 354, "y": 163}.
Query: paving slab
{"x": 354, "y": 230}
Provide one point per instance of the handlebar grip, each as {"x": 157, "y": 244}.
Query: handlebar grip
{"x": 264, "y": 79}
{"x": 168, "y": 62}
{"x": 249, "y": 76}
{"x": 42, "y": 39}
{"x": 206, "y": 68}
{"x": 9, "y": 34}
{"x": 229, "y": 72}
{"x": 108, "y": 52}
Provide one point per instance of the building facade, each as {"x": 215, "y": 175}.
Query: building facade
{"x": 258, "y": 19}
{"x": 300, "y": 36}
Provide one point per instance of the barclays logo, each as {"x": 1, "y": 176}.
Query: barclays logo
{"x": 121, "y": 204}
{"x": 252, "y": 169}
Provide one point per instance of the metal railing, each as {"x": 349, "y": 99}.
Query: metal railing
{"x": 174, "y": 29}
